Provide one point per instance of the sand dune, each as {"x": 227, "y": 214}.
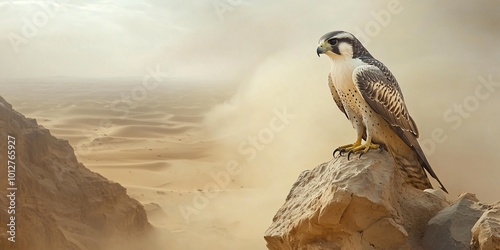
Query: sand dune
{"x": 156, "y": 151}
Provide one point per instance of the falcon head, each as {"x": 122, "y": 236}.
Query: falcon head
{"x": 338, "y": 44}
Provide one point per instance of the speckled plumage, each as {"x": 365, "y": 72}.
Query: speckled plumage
{"x": 369, "y": 95}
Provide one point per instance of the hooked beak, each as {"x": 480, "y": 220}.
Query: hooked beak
{"x": 323, "y": 47}
{"x": 320, "y": 50}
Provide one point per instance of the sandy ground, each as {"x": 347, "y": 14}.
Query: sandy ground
{"x": 159, "y": 152}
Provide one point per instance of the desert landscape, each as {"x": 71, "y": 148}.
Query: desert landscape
{"x": 208, "y": 115}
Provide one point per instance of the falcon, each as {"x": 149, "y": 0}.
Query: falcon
{"x": 368, "y": 94}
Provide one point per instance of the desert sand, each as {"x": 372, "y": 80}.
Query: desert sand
{"x": 158, "y": 152}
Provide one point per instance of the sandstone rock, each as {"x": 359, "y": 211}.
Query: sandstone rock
{"x": 353, "y": 204}
{"x": 486, "y": 231}
{"x": 451, "y": 227}
{"x": 59, "y": 203}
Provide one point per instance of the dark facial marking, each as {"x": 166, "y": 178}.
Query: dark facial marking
{"x": 335, "y": 43}
{"x": 358, "y": 49}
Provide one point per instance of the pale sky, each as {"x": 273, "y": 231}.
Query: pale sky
{"x": 202, "y": 38}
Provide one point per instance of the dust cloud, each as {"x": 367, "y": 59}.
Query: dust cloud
{"x": 445, "y": 58}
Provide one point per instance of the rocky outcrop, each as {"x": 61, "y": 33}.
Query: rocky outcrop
{"x": 365, "y": 204}
{"x": 353, "y": 204}
{"x": 58, "y": 203}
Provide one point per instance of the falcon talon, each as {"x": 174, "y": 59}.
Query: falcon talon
{"x": 342, "y": 150}
{"x": 349, "y": 155}
{"x": 335, "y": 151}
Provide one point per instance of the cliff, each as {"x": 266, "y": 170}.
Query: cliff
{"x": 51, "y": 201}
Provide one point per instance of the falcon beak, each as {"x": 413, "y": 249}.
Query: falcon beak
{"x": 320, "y": 51}
{"x": 322, "y": 48}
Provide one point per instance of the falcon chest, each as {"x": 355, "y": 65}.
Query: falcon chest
{"x": 348, "y": 94}
{"x": 363, "y": 118}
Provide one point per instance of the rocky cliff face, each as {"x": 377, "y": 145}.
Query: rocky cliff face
{"x": 51, "y": 201}
{"x": 365, "y": 204}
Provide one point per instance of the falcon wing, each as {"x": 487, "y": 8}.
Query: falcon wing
{"x": 384, "y": 97}
{"x": 335, "y": 95}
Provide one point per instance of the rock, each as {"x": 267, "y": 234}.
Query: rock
{"x": 486, "y": 231}
{"x": 353, "y": 204}
{"x": 465, "y": 224}
{"x": 60, "y": 204}
{"x": 451, "y": 227}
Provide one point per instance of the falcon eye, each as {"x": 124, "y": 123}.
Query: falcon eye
{"x": 333, "y": 41}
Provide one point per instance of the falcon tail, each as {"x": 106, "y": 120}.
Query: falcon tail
{"x": 413, "y": 173}
{"x": 412, "y": 166}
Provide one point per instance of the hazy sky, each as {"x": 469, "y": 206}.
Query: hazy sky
{"x": 198, "y": 37}
{"x": 193, "y": 37}
{"x": 124, "y": 38}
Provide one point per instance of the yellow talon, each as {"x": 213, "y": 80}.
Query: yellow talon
{"x": 357, "y": 147}
{"x": 365, "y": 147}
{"x": 348, "y": 147}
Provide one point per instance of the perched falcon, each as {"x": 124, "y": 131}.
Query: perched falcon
{"x": 369, "y": 95}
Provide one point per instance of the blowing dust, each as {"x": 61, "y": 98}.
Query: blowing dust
{"x": 282, "y": 120}
{"x": 445, "y": 60}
